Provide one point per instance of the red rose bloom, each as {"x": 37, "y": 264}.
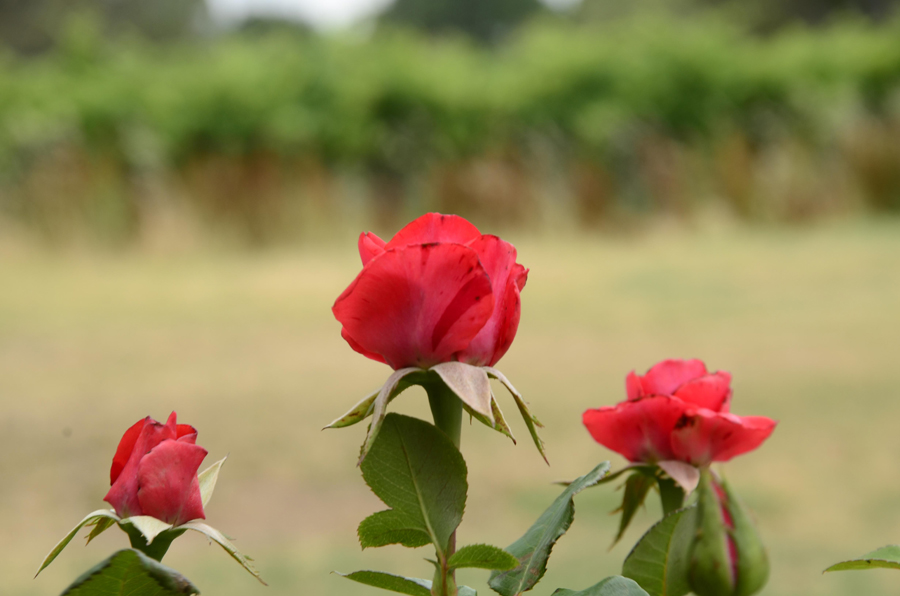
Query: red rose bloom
{"x": 677, "y": 411}
{"x": 154, "y": 472}
{"x": 438, "y": 291}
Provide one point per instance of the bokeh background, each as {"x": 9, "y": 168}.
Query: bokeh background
{"x": 182, "y": 183}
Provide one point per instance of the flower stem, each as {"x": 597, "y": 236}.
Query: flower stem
{"x": 157, "y": 549}
{"x": 447, "y": 410}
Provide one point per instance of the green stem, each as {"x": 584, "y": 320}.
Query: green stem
{"x": 157, "y": 549}
{"x": 447, "y": 410}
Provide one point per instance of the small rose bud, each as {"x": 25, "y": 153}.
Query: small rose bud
{"x": 154, "y": 472}
{"x": 727, "y": 555}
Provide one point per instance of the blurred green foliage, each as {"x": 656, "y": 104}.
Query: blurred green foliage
{"x": 634, "y": 115}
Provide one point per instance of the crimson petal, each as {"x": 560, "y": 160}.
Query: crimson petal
{"x": 711, "y": 391}
{"x": 667, "y": 376}
{"x": 703, "y": 436}
{"x": 417, "y": 305}
{"x": 435, "y": 227}
{"x": 169, "y": 488}
{"x": 370, "y": 246}
{"x": 123, "y": 493}
{"x": 126, "y": 446}
{"x": 639, "y": 430}
{"x": 498, "y": 258}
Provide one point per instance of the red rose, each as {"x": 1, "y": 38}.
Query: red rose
{"x": 677, "y": 411}
{"x": 438, "y": 291}
{"x": 154, "y": 472}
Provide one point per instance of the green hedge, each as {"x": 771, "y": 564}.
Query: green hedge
{"x": 400, "y": 103}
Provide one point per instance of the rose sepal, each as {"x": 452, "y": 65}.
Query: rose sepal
{"x": 674, "y": 480}
{"x": 471, "y": 384}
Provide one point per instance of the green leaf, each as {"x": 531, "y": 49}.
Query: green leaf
{"x": 415, "y": 469}
{"x": 886, "y": 557}
{"x": 533, "y": 549}
{"x": 219, "y": 538}
{"x": 399, "y": 381}
{"x": 611, "y": 586}
{"x": 397, "y": 583}
{"x": 659, "y": 561}
{"x": 208, "y": 479}
{"x": 90, "y": 518}
{"x": 530, "y": 420}
{"x": 636, "y": 488}
{"x": 131, "y": 573}
{"x": 671, "y": 495}
{"x": 394, "y": 583}
{"x": 390, "y": 527}
{"x": 482, "y": 556}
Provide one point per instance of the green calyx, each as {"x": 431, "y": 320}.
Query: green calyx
{"x": 470, "y": 384}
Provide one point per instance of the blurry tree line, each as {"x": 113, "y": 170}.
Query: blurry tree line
{"x": 121, "y": 119}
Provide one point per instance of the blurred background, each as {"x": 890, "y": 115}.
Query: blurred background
{"x": 182, "y": 183}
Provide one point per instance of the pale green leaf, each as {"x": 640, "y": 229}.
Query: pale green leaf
{"x": 89, "y": 518}
{"x": 482, "y": 556}
{"x": 886, "y": 557}
{"x": 659, "y": 561}
{"x": 208, "y": 478}
{"x": 611, "y": 586}
{"x": 533, "y": 549}
{"x": 131, "y": 573}
{"x": 219, "y": 538}
{"x": 415, "y": 469}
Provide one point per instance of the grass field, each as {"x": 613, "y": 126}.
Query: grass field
{"x": 244, "y": 347}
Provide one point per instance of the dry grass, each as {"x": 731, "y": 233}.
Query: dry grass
{"x": 245, "y": 348}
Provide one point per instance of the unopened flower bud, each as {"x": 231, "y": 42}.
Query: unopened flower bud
{"x": 727, "y": 556}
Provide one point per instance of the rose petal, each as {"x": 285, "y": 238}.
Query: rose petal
{"x": 711, "y": 392}
{"x": 168, "y": 486}
{"x": 702, "y": 436}
{"x": 370, "y": 246}
{"x": 498, "y": 258}
{"x": 358, "y": 348}
{"x": 417, "y": 305}
{"x": 633, "y": 387}
{"x": 667, "y": 376}
{"x": 435, "y": 227}
{"x": 126, "y": 446}
{"x": 639, "y": 430}
{"x": 123, "y": 493}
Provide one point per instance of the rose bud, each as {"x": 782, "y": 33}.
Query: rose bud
{"x": 677, "y": 411}
{"x": 727, "y": 557}
{"x": 438, "y": 291}
{"x": 154, "y": 472}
